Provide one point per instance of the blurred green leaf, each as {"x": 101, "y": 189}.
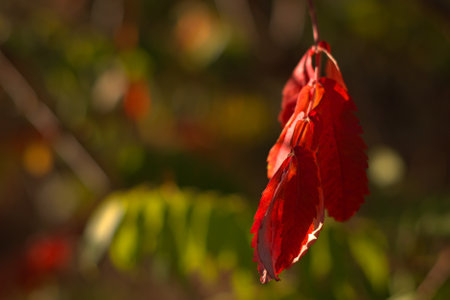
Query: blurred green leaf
{"x": 100, "y": 231}
{"x": 368, "y": 248}
{"x": 123, "y": 251}
{"x": 320, "y": 257}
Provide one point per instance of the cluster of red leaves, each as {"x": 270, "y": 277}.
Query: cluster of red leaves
{"x": 318, "y": 163}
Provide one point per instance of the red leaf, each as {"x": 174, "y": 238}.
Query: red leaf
{"x": 300, "y": 77}
{"x": 341, "y": 152}
{"x": 333, "y": 72}
{"x": 292, "y": 129}
{"x": 290, "y": 215}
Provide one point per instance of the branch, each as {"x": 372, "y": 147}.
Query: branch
{"x": 48, "y": 125}
{"x": 436, "y": 277}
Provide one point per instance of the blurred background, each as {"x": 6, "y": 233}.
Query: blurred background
{"x": 134, "y": 133}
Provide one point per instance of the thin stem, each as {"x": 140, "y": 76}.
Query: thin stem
{"x": 315, "y": 26}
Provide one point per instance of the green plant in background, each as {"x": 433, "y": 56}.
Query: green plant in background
{"x": 203, "y": 235}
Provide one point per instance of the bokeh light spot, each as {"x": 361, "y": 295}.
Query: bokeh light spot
{"x": 386, "y": 166}
{"x": 38, "y": 159}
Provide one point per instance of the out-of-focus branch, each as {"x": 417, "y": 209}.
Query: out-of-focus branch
{"x": 437, "y": 276}
{"x": 48, "y": 125}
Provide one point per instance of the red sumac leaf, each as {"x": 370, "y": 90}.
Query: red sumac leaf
{"x": 290, "y": 215}
{"x": 300, "y": 77}
{"x": 334, "y": 73}
{"x": 341, "y": 152}
{"x": 290, "y": 135}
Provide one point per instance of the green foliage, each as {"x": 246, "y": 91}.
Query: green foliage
{"x": 203, "y": 235}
